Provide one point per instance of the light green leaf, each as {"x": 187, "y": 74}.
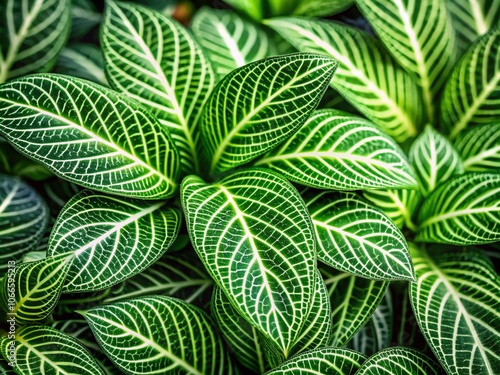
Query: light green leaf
{"x": 89, "y": 135}
{"x": 479, "y": 148}
{"x": 110, "y": 238}
{"x": 434, "y": 159}
{"x": 45, "y": 350}
{"x": 321, "y": 8}
{"x": 32, "y": 32}
{"x": 338, "y": 151}
{"x": 152, "y": 335}
{"x": 367, "y": 76}
{"x": 252, "y": 232}
{"x": 83, "y": 61}
{"x": 258, "y": 106}
{"x": 463, "y": 211}
{"x": 326, "y": 361}
{"x": 457, "y": 308}
{"x": 84, "y": 17}
{"x": 253, "y": 8}
{"x": 472, "y": 94}
{"x": 155, "y": 60}
{"x": 420, "y": 36}
{"x": 23, "y": 218}
{"x": 353, "y": 300}
{"x": 355, "y": 237}
{"x": 399, "y": 361}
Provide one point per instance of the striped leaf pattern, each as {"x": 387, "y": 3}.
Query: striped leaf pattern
{"x": 89, "y": 135}
{"x": 472, "y": 94}
{"x": 45, "y": 350}
{"x": 259, "y": 105}
{"x": 32, "y": 32}
{"x": 457, "y": 307}
{"x": 252, "y": 232}
{"x": 230, "y": 40}
{"x": 152, "y": 335}
{"x": 420, "y": 36}
{"x": 355, "y": 237}
{"x": 110, "y": 238}
{"x": 434, "y": 159}
{"x": 84, "y": 61}
{"x": 367, "y": 76}
{"x": 479, "y": 148}
{"x": 463, "y": 211}
{"x": 155, "y": 60}
{"x": 338, "y": 151}
{"x": 23, "y": 219}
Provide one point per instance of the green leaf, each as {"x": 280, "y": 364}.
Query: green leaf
{"x": 45, "y": 350}
{"x": 457, "y": 308}
{"x": 84, "y": 17}
{"x": 463, "y": 211}
{"x": 326, "y": 361}
{"x": 83, "y": 61}
{"x": 420, "y": 36}
{"x": 258, "y": 106}
{"x": 23, "y": 218}
{"x": 150, "y": 335}
{"x": 338, "y": 151}
{"x": 399, "y": 361}
{"x": 155, "y": 60}
{"x": 321, "y": 8}
{"x": 355, "y": 237}
{"x": 472, "y": 94}
{"x": 434, "y": 159}
{"x": 230, "y": 40}
{"x": 32, "y": 32}
{"x": 367, "y": 76}
{"x": 252, "y": 232}
{"x": 13, "y": 163}
{"x": 353, "y": 300}
{"x": 110, "y": 238}
{"x": 253, "y": 8}
{"x": 479, "y": 148}
{"x": 89, "y": 135}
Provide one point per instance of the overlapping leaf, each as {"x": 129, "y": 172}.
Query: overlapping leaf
{"x": 335, "y": 150}
{"x": 150, "y": 335}
{"x": 252, "y": 231}
{"x": 355, "y": 237}
{"x": 320, "y": 8}
{"x": 110, "y": 238}
{"x": 84, "y": 17}
{"x": 479, "y": 148}
{"x": 155, "y": 60}
{"x": 472, "y": 94}
{"x": 367, "y": 76}
{"x": 457, "y": 307}
{"x": 15, "y": 164}
{"x": 89, "y": 135}
{"x": 463, "y": 211}
{"x": 252, "y": 8}
{"x": 83, "y": 61}
{"x": 32, "y": 32}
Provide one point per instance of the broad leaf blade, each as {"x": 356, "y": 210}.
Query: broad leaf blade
{"x": 479, "y": 148}
{"x": 110, "y": 238}
{"x": 338, "y": 151}
{"x": 84, "y": 61}
{"x": 253, "y": 233}
{"x": 367, "y": 76}
{"x": 321, "y": 8}
{"x": 89, "y": 135}
{"x": 463, "y": 211}
{"x": 155, "y": 60}
{"x": 258, "y": 106}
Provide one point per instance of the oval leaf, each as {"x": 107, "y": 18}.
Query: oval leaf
{"x": 479, "y": 148}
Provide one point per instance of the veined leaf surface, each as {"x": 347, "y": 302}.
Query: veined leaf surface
{"x": 472, "y": 94}
{"x": 45, "y": 350}
{"x": 434, "y": 159}
{"x": 321, "y": 8}
{"x": 252, "y": 231}
{"x": 259, "y": 105}
{"x": 355, "y": 237}
{"x": 155, "y": 60}
{"x": 479, "y": 148}
{"x": 457, "y": 308}
{"x": 84, "y": 17}
{"x": 89, "y": 135}
{"x": 463, "y": 211}
{"x": 151, "y": 335}
{"x": 32, "y": 32}
{"x": 367, "y": 76}
{"x": 420, "y": 36}
{"x": 84, "y": 61}
{"x": 110, "y": 238}
{"x": 338, "y": 151}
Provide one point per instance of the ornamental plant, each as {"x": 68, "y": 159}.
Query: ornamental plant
{"x": 284, "y": 187}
